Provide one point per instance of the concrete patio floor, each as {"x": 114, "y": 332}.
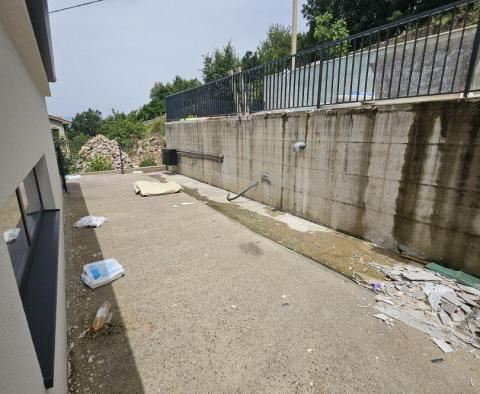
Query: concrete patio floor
{"x": 207, "y": 305}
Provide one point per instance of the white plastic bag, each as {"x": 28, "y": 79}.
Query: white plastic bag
{"x": 72, "y": 177}
{"x": 101, "y": 272}
{"x": 90, "y": 221}
{"x": 10, "y": 236}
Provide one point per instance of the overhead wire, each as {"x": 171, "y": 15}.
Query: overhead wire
{"x": 75, "y": 6}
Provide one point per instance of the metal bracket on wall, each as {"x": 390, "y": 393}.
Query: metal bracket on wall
{"x": 198, "y": 155}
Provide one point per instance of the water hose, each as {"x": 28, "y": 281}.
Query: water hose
{"x": 242, "y": 193}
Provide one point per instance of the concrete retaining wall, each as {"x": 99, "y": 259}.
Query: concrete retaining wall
{"x": 403, "y": 176}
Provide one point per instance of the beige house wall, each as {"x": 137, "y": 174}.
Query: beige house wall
{"x": 25, "y": 142}
{"x": 59, "y": 126}
{"x": 55, "y": 124}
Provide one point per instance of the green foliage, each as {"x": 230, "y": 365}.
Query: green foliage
{"x": 249, "y": 60}
{"x": 220, "y": 63}
{"x": 150, "y": 110}
{"x": 75, "y": 141}
{"x": 55, "y": 136}
{"x": 160, "y": 90}
{"x": 69, "y": 165}
{"x": 61, "y": 142}
{"x": 327, "y": 29}
{"x": 157, "y": 127}
{"x": 397, "y": 14}
{"x": 99, "y": 163}
{"x": 148, "y": 161}
{"x": 156, "y": 107}
{"x": 305, "y": 40}
{"x": 122, "y": 128}
{"x": 87, "y": 122}
{"x": 361, "y": 15}
{"x": 276, "y": 45}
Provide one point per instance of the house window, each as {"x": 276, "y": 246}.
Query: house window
{"x": 55, "y": 135}
{"x": 14, "y": 234}
{"x": 19, "y": 222}
{"x": 31, "y": 235}
{"x": 31, "y": 202}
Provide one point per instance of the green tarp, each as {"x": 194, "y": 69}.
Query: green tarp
{"x": 459, "y": 276}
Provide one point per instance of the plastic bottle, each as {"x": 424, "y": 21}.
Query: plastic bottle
{"x": 103, "y": 315}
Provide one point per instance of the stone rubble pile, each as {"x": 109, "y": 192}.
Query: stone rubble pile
{"x": 148, "y": 148}
{"x": 448, "y": 311}
{"x": 101, "y": 145}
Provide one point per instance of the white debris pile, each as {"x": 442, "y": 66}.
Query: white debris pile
{"x": 102, "y": 146}
{"x": 439, "y": 306}
{"x": 148, "y": 148}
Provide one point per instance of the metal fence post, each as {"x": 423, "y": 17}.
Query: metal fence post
{"x": 473, "y": 61}
{"x": 121, "y": 157}
{"x": 320, "y": 77}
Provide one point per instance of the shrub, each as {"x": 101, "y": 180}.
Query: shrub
{"x": 123, "y": 129}
{"x": 76, "y": 141}
{"x": 157, "y": 127}
{"x": 99, "y": 163}
{"x": 148, "y": 161}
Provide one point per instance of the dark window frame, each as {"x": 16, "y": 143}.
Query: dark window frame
{"x": 39, "y": 299}
{"x": 26, "y": 261}
{"x": 37, "y": 279}
{"x": 18, "y": 193}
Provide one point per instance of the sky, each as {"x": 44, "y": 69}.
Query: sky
{"x": 108, "y": 55}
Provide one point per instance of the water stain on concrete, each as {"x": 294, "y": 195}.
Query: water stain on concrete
{"x": 454, "y": 189}
{"x": 251, "y": 248}
{"x": 412, "y": 170}
{"x": 344, "y": 254}
{"x": 363, "y": 179}
{"x": 461, "y": 168}
{"x": 284, "y": 132}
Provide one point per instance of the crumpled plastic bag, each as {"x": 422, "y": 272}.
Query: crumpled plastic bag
{"x": 90, "y": 221}
{"x": 10, "y": 236}
{"x": 101, "y": 272}
{"x": 72, "y": 177}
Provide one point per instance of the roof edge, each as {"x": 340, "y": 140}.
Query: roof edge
{"x": 39, "y": 17}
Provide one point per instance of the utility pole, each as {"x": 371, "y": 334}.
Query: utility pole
{"x": 294, "y": 32}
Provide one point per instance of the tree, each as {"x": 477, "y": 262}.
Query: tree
{"x": 75, "y": 141}
{"x": 305, "y": 40}
{"x": 249, "y": 60}
{"x": 156, "y": 106}
{"x": 276, "y": 45}
{"x": 327, "y": 29}
{"x": 160, "y": 90}
{"x": 87, "y": 122}
{"x": 220, "y": 63}
{"x": 361, "y": 15}
{"x": 122, "y": 128}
